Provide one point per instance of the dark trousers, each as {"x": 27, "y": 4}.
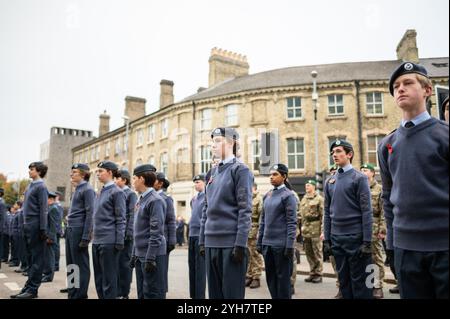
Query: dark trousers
{"x": 1, "y": 246}
{"x": 166, "y": 273}
{"x": 15, "y": 249}
{"x": 106, "y": 263}
{"x": 37, "y": 250}
{"x": 226, "y": 279}
{"x": 79, "y": 257}
{"x": 391, "y": 260}
{"x": 49, "y": 262}
{"x": 56, "y": 250}
{"x": 26, "y": 254}
{"x": 150, "y": 285}
{"x": 350, "y": 267}
{"x": 6, "y": 242}
{"x": 278, "y": 272}
{"x": 125, "y": 272}
{"x": 422, "y": 275}
{"x": 197, "y": 270}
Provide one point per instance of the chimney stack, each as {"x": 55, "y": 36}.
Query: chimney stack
{"x": 134, "y": 107}
{"x": 407, "y": 48}
{"x": 224, "y": 64}
{"x": 104, "y": 124}
{"x": 166, "y": 95}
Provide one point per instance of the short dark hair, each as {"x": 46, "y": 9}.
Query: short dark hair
{"x": 348, "y": 150}
{"x": 149, "y": 178}
{"x": 85, "y": 174}
{"x": 125, "y": 178}
{"x": 40, "y": 167}
{"x": 115, "y": 172}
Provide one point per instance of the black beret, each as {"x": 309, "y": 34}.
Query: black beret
{"x": 226, "y": 132}
{"x": 51, "y": 194}
{"x": 144, "y": 168}
{"x": 37, "y": 165}
{"x": 107, "y": 165}
{"x": 58, "y": 193}
{"x": 281, "y": 168}
{"x": 82, "y": 166}
{"x": 340, "y": 143}
{"x": 406, "y": 68}
{"x": 124, "y": 174}
{"x": 200, "y": 177}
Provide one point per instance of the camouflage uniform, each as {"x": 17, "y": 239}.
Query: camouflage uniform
{"x": 311, "y": 208}
{"x": 299, "y": 219}
{"x": 378, "y": 227}
{"x": 255, "y": 262}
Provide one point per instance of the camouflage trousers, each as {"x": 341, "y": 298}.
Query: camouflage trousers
{"x": 294, "y": 268}
{"x": 377, "y": 257}
{"x": 333, "y": 264}
{"x": 313, "y": 252}
{"x": 255, "y": 262}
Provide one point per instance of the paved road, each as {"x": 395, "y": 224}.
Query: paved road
{"x": 11, "y": 283}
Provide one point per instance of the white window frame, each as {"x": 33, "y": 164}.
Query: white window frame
{"x": 151, "y": 160}
{"x": 378, "y": 138}
{"x": 206, "y": 119}
{"x": 117, "y": 146}
{"x": 335, "y": 105}
{"x": 125, "y": 143}
{"x": 92, "y": 150}
{"x": 151, "y": 133}
{"x": 165, "y": 128}
{"x": 140, "y": 137}
{"x": 294, "y": 107}
{"x": 231, "y": 115}
{"x": 296, "y": 153}
{"x": 97, "y": 152}
{"x": 107, "y": 149}
{"x": 205, "y": 158}
{"x": 256, "y": 156}
{"x": 373, "y": 104}
{"x": 164, "y": 162}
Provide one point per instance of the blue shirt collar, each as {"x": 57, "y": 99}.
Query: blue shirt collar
{"x": 160, "y": 191}
{"x": 108, "y": 184}
{"x": 280, "y": 187}
{"x": 347, "y": 167}
{"x": 149, "y": 190}
{"x": 229, "y": 159}
{"x": 82, "y": 183}
{"x": 422, "y": 117}
{"x": 125, "y": 188}
{"x": 40, "y": 180}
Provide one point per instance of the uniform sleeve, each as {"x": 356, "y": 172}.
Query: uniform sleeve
{"x": 88, "y": 198}
{"x": 157, "y": 217}
{"x": 132, "y": 199}
{"x": 386, "y": 180}
{"x": 120, "y": 216}
{"x": 52, "y": 223}
{"x": 365, "y": 205}
{"x": 290, "y": 206}
{"x": 170, "y": 222}
{"x": 326, "y": 215}
{"x": 201, "y": 238}
{"x": 261, "y": 226}
{"x": 43, "y": 207}
{"x": 243, "y": 193}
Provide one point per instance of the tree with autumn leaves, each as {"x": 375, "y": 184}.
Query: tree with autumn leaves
{"x": 13, "y": 189}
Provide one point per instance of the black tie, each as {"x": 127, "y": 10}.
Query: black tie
{"x": 341, "y": 170}
{"x": 409, "y": 124}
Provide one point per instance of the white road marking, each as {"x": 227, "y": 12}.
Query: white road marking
{"x": 3, "y": 276}
{"x": 12, "y": 286}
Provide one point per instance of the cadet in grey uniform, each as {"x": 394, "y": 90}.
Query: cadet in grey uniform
{"x": 226, "y": 219}
{"x": 149, "y": 243}
{"x": 53, "y": 217}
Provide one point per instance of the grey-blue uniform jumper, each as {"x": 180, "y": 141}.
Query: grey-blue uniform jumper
{"x": 35, "y": 210}
{"x": 79, "y": 227}
{"x": 24, "y": 252}
{"x": 197, "y": 270}
{"x": 277, "y": 232}
{"x": 52, "y": 228}
{"x": 348, "y": 224}
{"x": 59, "y": 233}
{"x": 125, "y": 272}
{"x": 150, "y": 244}
{"x": 6, "y": 227}
{"x": 169, "y": 231}
{"x": 3, "y": 210}
{"x": 15, "y": 240}
{"x": 109, "y": 231}
{"x": 414, "y": 167}
{"x": 226, "y": 222}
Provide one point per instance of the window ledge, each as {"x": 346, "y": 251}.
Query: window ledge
{"x": 369, "y": 116}
{"x": 336, "y": 117}
{"x": 140, "y": 146}
{"x": 300, "y": 119}
{"x": 150, "y": 142}
{"x": 259, "y": 123}
{"x": 163, "y": 138}
{"x": 234, "y": 125}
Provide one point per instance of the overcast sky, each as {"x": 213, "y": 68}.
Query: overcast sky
{"x": 63, "y": 62}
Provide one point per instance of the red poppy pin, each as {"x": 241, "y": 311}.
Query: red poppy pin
{"x": 390, "y": 149}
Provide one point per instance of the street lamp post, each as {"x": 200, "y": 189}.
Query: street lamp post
{"x": 127, "y": 121}
{"x": 315, "y": 98}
